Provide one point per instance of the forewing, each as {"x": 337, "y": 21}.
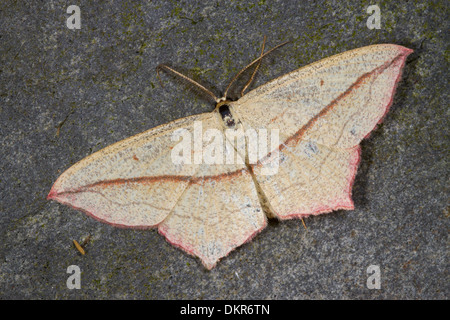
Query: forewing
{"x": 322, "y": 111}
{"x": 289, "y": 102}
{"x": 134, "y": 182}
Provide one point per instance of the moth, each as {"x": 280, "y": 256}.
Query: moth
{"x": 322, "y": 112}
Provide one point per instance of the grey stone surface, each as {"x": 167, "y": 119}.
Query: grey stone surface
{"x": 67, "y": 93}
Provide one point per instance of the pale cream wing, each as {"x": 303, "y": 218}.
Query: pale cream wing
{"x": 322, "y": 112}
{"x": 219, "y": 210}
{"x": 292, "y": 100}
{"x": 133, "y": 182}
{"x": 207, "y": 207}
{"x": 215, "y": 214}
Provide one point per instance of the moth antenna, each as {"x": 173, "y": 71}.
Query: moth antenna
{"x": 256, "y": 69}
{"x": 249, "y": 65}
{"x": 163, "y": 66}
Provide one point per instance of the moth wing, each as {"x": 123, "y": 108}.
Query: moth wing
{"x": 216, "y": 213}
{"x": 322, "y": 112}
{"x": 132, "y": 183}
{"x": 207, "y": 208}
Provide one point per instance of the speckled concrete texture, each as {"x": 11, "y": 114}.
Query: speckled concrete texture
{"x": 67, "y": 93}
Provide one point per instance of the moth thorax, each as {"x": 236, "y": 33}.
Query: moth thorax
{"x": 226, "y": 115}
